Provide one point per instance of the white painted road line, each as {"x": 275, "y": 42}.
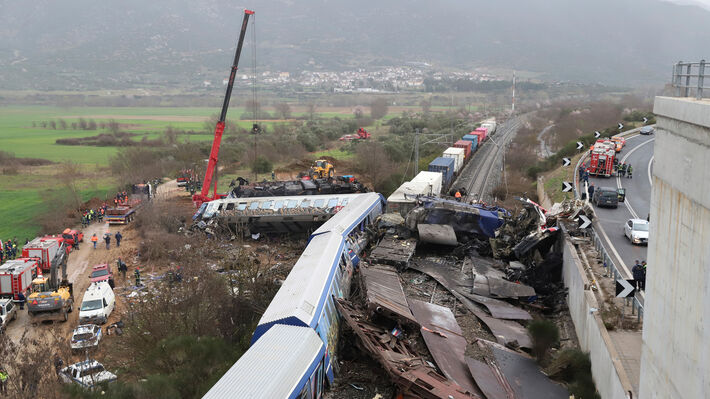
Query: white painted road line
{"x": 618, "y": 178}
{"x": 650, "y": 162}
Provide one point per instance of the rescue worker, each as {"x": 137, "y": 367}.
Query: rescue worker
{"x": 630, "y": 171}
{"x": 273, "y": 176}
{"x": 3, "y": 380}
{"x": 458, "y": 196}
{"x": 643, "y": 283}
{"x": 122, "y": 268}
{"x": 21, "y": 300}
{"x": 137, "y": 275}
{"x": 637, "y": 272}
{"x": 623, "y": 169}
{"x": 107, "y": 240}
{"x": 76, "y": 241}
{"x": 590, "y": 189}
{"x": 94, "y": 240}
{"x": 119, "y": 237}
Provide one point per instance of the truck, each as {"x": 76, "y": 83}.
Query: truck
{"x": 72, "y": 237}
{"x": 120, "y": 214}
{"x": 458, "y": 154}
{"x": 16, "y": 277}
{"x": 44, "y": 249}
{"x": 602, "y": 158}
{"x": 52, "y": 298}
{"x": 362, "y": 134}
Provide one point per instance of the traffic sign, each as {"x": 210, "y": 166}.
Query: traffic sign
{"x": 579, "y": 145}
{"x": 645, "y": 120}
{"x": 625, "y": 288}
{"x": 621, "y": 126}
{"x": 565, "y": 161}
{"x": 566, "y": 186}
{"x": 597, "y": 134}
{"x": 585, "y": 222}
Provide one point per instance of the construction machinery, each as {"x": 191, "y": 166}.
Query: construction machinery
{"x": 362, "y": 134}
{"x": 52, "y": 298}
{"x": 210, "y": 174}
{"x": 321, "y": 169}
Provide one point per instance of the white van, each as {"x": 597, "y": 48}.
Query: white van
{"x": 98, "y": 303}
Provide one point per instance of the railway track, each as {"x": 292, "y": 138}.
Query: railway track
{"x": 475, "y": 175}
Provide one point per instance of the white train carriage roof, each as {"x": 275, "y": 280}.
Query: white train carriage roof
{"x": 302, "y": 296}
{"x": 351, "y": 215}
{"x": 259, "y": 204}
{"x": 275, "y": 367}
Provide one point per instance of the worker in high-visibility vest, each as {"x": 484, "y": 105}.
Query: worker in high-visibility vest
{"x": 458, "y": 196}
{"x": 94, "y": 240}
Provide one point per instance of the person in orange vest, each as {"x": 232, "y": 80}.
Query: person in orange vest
{"x": 94, "y": 240}
{"x": 458, "y": 196}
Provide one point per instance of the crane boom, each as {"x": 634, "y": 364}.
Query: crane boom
{"x": 219, "y": 128}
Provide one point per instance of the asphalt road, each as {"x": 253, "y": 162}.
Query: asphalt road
{"x": 639, "y": 153}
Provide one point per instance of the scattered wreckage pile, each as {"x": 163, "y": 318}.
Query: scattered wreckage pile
{"x": 241, "y": 188}
{"x": 502, "y": 268}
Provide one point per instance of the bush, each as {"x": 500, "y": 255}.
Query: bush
{"x": 262, "y": 165}
{"x": 545, "y": 335}
{"x": 574, "y": 367}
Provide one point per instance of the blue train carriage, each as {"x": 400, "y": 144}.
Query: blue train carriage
{"x": 305, "y": 299}
{"x": 287, "y": 362}
{"x": 351, "y": 221}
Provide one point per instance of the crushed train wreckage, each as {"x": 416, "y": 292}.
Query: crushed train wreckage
{"x": 521, "y": 274}
{"x": 241, "y": 188}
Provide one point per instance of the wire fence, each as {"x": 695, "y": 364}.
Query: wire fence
{"x": 689, "y": 79}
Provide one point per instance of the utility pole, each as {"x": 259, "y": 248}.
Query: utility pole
{"x": 512, "y": 109}
{"x": 416, "y": 152}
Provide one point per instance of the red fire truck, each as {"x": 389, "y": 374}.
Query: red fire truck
{"x": 16, "y": 276}
{"x": 602, "y": 158}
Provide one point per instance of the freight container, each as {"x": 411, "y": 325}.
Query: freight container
{"x": 445, "y": 166}
{"x": 16, "y": 276}
{"x": 466, "y": 145}
{"x": 482, "y": 132}
{"x": 458, "y": 155}
{"x": 491, "y": 125}
{"x": 43, "y": 249}
{"x": 404, "y": 198}
{"x": 474, "y": 141}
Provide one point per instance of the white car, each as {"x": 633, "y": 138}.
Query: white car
{"x": 88, "y": 374}
{"x": 8, "y": 312}
{"x": 98, "y": 303}
{"x": 86, "y": 336}
{"x": 636, "y": 230}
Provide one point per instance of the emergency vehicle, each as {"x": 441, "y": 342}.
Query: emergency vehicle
{"x": 602, "y": 158}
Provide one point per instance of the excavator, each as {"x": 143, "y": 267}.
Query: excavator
{"x": 51, "y": 298}
{"x": 210, "y": 174}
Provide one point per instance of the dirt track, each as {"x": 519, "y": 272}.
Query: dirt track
{"x": 79, "y": 267}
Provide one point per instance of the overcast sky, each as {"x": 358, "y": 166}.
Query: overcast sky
{"x": 704, "y": 3}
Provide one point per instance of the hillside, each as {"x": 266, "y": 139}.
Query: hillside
{"x": 83, "y": 44}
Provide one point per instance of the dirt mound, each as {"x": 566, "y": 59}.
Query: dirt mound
{"x": 93, "y": 203}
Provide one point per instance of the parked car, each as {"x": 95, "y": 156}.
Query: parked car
{"x": 98, "y": 303}
{"x": 8, "y": 312}
{"x": 636, "y": 230}
{"x": 101, "y": 273}
{"x": 88, "y": 374}
{"x": 646, "y": 130}
{"x": 606, "y": 196}
{"x": 85, "y": 336}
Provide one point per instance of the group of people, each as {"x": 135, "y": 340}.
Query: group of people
{"x": 92, "y": 215}
{"x": 639, "y": 274}
{"x": 8, "y": 250}
{"x": 121, "y": 198}
{"x": 107, "y": 239}
{"x": 624, "y": 169}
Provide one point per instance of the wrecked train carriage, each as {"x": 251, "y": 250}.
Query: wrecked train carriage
{"x": 339, "y": 185}
{"x": 273, "y": 214}
{"x": 465, "y": 218}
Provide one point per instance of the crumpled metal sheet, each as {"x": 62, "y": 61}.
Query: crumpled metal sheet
{"x": 492, "y": 384}
{"x": 441, "y": 234}
{"x": 445, "y": 341}
{"x": 392, "y": 251}
{"x": 507, "y": 332}
{"x": 505, "y": 289}
{"x": 384, "y": 292}
{"x": 499, "y": 309}
{"x": 525, "y": 377}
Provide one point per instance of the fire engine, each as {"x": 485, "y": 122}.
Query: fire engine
{"x": 602, "y": 158}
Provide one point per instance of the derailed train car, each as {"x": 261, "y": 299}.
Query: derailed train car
{"x": 305, "y": 300}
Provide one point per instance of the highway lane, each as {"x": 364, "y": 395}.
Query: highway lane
{"x": 639, "y": 153}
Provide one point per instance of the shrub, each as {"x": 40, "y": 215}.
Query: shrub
{"x": 545, "y": 335}
{"x": 262, "y": 165}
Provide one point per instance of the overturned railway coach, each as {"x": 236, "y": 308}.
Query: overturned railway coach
{"x": 306, "y": 300}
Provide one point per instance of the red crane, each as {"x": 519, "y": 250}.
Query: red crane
{"x": 204, "y": 196}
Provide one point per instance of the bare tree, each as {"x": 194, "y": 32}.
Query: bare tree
{"x": 426, "y": 106}
{"x": 63, "y": 124}
{"x": 311, "y": 110}
{"x": 373, "y": 163}
{"x": 69, "y": 176}
{"x": 283, "y": 110}
{"x": 379, "y": 108}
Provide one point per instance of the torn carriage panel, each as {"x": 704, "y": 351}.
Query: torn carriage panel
{"x": 464, "y": 218}
{"x": 391, "y": 251}
{"x": 384, "y": 293}
{"x": 490, "y": 379}
{"x": 499, "y": 309}
{"x": 445, "y": 341}
{"x": 407, "y": 370}
{"x": 440, "y": 234}
{"x": 525, "y": 376}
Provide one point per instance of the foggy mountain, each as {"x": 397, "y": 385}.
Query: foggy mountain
{"x": 85, "y": 44}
